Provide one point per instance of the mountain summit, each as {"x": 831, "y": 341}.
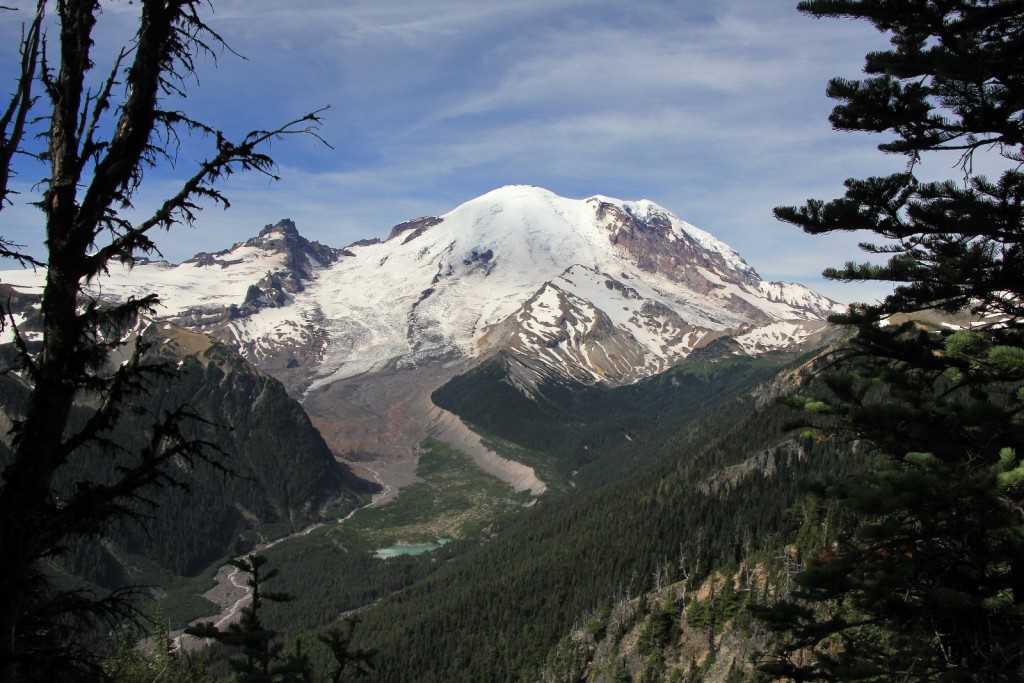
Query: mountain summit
{"x": 597, "y": 289}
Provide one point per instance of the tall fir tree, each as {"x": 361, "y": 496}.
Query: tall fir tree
{"x": 929, "y": 585}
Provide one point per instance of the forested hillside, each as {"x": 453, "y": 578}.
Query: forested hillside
{"x": 496, "y": 612}
{"x": 721, "y": 483}
{"x": 590, "y": 435}
{"x": 279, "y": 474}
{"x": 856, "y": 514}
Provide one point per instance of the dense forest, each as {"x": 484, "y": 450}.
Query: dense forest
{"x": 590, "y": 435}
{"x": 502, "y": 606}
{"x": 277, "y": 475}
{"x": 494, "y": 605}
{"x": 851, "y": 515}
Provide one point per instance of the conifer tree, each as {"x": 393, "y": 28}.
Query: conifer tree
{"x": 91, "y": 130}
{"x": 357, "y": 660}
{"x": 163, "y": 663}
{"x": 261, "y": 657}
{"x": 930, "y": 585}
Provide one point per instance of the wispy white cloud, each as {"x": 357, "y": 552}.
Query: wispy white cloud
{"x": 715, "y": 110}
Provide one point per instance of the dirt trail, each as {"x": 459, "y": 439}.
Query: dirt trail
{"x": 377, "y": 426}
{"x": 231, "y": 593}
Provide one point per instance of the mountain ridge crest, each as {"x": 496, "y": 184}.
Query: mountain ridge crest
{"x": 629, "y": 289}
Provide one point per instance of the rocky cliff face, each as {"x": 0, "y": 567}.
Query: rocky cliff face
{"x": 674, "y": 633}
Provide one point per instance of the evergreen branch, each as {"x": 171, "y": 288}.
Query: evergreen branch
{"x": 91, "y": 148}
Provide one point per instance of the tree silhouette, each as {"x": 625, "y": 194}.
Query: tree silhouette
{"x": 261, "y": 657}
{"x": 96, "y": 137}
{"x": 930, "y": 586}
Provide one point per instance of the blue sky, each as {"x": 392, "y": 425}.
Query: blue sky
{"x": 715, "y": 110}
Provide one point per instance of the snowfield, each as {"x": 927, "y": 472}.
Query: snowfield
{"x": 435, "y": 292}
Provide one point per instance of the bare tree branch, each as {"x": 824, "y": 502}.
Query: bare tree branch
{"x": 98, "y": 144}
{"x": 12, "y": 124}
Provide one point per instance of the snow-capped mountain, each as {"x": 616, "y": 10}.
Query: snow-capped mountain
{"x": 596, "y": 289}
{"x": 599, "y": 289}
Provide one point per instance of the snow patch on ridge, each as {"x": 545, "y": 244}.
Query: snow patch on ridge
{"x": 778, "y": 335}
